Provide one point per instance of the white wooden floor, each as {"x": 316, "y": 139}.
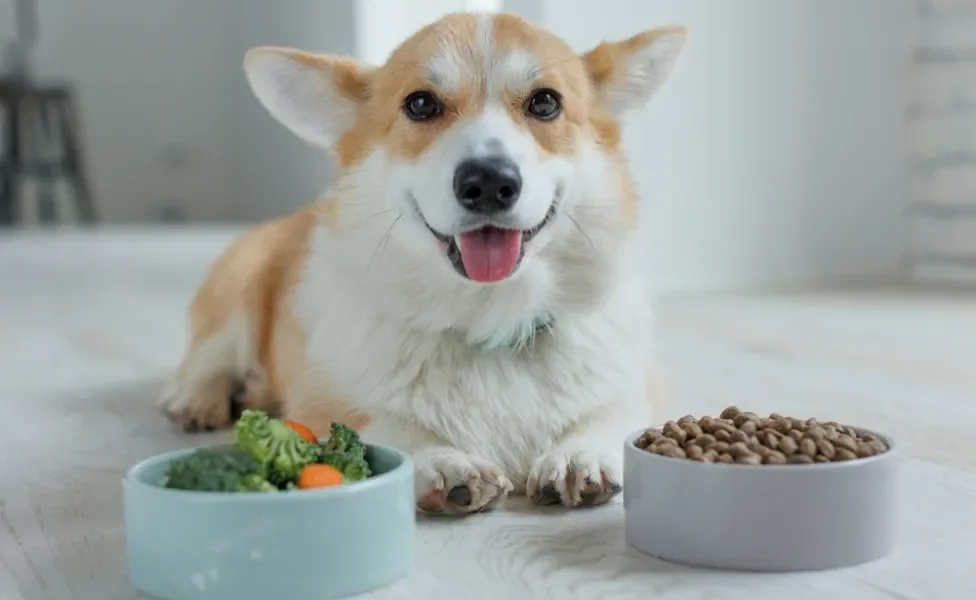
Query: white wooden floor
{"x": 89, "y": 325}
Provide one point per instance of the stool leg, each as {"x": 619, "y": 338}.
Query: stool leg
{"x": 10, "y": 188}
{"x": 47, "y": 208}
{"x": 73, "y": 164}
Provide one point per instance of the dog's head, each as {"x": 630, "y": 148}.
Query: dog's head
{"x": 482, "y": 160}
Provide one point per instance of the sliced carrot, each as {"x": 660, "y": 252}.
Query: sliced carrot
{"x": 303, "y": 431}
{"x": 318, "y": 476}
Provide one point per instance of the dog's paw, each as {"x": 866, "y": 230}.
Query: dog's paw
{"x": 214, "y": 404}
{"x": 574, "y": 478}
{"x": 452, "y": 482}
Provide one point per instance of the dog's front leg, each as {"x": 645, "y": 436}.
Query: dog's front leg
{"x": 585, "y": 468}
{"x": 447, "y": 480}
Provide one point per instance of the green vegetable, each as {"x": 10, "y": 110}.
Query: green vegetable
{"x": 345, "y": 451}
{"x": 268, "y": 455}
{"x": 352, "y": 467}
{"x": 345, "y": 440}
{"x": 275, "y": 446}
{"x": 221, "y": 469}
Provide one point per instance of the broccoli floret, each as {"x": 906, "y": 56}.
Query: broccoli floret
{"x": 352, "y": 467}
{"x": 275, "y": 445}
{"x": 345, "y": 440}
{"x": 224, "y": 469}
{"x": 256, "y": 483}
{"x": 345, "y": 451}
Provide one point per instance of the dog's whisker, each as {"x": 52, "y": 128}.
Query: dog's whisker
{"x": 582, "y": 231}
{"x": 555, "y": 64}
{"x": 381, "y": 246}
{"x": 371, "y": 217}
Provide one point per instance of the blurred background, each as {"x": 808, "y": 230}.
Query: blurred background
{"x": 809, "y": 175}
{"x": 799, "y": 143}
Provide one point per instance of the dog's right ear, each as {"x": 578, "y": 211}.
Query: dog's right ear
{"x": 315, "y": 96}
{"x": 627, "y": 73}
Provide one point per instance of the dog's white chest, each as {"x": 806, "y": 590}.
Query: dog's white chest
{"x": 505, "y": 405}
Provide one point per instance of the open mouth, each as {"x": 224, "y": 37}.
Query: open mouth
{"x": 489, "y": 254}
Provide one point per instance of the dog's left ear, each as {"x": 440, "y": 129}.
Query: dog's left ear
{"x": 627, "y": 73}
{"x": 315, "y": 96}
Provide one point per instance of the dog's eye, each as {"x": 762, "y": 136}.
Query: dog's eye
{"x": 421, "y": 106}
{"x": 544, "y": 105}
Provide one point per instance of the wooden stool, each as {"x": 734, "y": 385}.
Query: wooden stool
{"x": 31, "y": 110}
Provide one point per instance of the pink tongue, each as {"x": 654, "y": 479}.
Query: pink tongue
{"x": 490, "y": 254}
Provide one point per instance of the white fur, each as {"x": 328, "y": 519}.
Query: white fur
{"x": 429, "y": 181}
{"x": 518, "y": 71}
{"x": 493, "y": 132}
{"x": 554, "y": 411}
{"x": 451, "y": 67}
{"x": 400, "y": 332}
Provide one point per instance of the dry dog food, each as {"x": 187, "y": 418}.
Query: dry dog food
{"x": 745, "y": 438}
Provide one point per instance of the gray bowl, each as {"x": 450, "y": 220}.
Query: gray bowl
{"x": 323, "y": 544}
{"x": 760, "y": 518}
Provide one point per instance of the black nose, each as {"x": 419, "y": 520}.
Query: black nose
{"x": 487, "y": 185}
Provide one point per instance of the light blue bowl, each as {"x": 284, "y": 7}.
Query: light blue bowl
{"x": 321, "y": 544}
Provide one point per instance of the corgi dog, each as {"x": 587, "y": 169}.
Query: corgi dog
{"x": 470, "y": 287}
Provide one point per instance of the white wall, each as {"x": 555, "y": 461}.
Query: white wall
{"x": 775, "y": 155}
{"x": 943, "y": 127}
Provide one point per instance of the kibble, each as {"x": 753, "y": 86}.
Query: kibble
{"x": 720, "y": 447}
{"x": 745, "y": 438}
{"x": 846, "y": 442}
{"x": 748, "y": 459}
{"x": 864, "y": 450}
{"x": 825, "y": 448}
{"x": 844, "y": 454}
{"x": 693, "y": 430}
{"x": 738, "y": 449}
{"x": 808, "y": 447}
{"x": 788, "y": 446}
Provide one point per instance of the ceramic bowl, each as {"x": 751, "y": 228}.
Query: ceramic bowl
{"x": 323, "y": 544}
{"x": 761, "y": 518}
